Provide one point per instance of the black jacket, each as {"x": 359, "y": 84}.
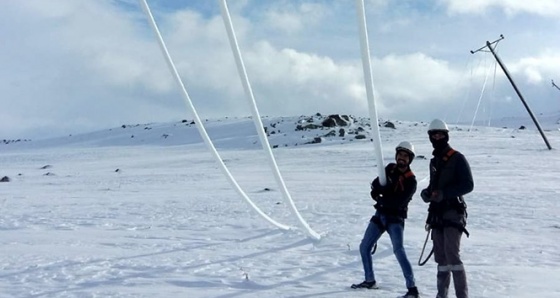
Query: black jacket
{"x": 393, "y": 198}
{"x": 450, "y": 175}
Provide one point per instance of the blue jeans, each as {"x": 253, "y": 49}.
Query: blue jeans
{"x": 372, "y": 234}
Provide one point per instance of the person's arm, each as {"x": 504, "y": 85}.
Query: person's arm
{"x": 463, "y": 182}
{"x": 426, "y": 193}
{"x": 376, "y": 187}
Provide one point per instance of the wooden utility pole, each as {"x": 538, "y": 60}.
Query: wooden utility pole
{"x": 489, "y": 46}
{"x": 555, "y": 86}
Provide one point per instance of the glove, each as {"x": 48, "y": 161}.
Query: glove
{"x": 437, "y": 196}
{"x": 374, "y": 194}
{"x": 426, "y": 196}
{"x": 381, "y": 188}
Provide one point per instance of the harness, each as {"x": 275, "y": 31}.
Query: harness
{"x": 434, "y": 216}
{"x": 402, "y": 177}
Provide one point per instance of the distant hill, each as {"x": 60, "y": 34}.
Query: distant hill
{"x": 547, "y": 121}
{"x": 224, "y": 132}
{"x": 240, "y": 133}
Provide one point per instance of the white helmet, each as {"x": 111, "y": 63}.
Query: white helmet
{"x": 407, "y": 147}
{"x": 437, "y": 124}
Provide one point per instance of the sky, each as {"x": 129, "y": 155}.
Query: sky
{"x": 75, "y": 66}
{"x": 105, "y": 214}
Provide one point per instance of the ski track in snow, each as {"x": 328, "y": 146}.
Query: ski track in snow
{"x": 168, "y": 224}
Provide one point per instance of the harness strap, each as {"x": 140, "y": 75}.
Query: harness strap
{"x": 446, "y": 223}
{"x": 448, "y": 155}
{"x": 406, "y": 175}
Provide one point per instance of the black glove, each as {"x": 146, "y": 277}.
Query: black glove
{"x": 426, "y": 195}
{"x": 381, "y": 188}
{"x": 374, "y": 194}
{"x": 378, "y": 190}
{"x": 437, "y": 196}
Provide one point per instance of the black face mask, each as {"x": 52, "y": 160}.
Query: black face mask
{"x": 441, "y": 143}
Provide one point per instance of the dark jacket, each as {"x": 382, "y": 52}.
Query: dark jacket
{"x": 451, "y": 177}
{"x": 393, "y": 198}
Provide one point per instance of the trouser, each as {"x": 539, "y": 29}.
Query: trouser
{"x": 447, "y": 242}
{"x": 372, "y": 234}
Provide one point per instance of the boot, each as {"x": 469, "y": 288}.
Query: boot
{"x": 412, "y": 293}
{"x": 365, "y": 285}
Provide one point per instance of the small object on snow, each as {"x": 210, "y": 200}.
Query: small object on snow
{"x": 5, "y": 179}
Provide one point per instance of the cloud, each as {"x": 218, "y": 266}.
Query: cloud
{"x": 74, "y": 66}
{"x": 540, "y": 68}
{"x": 291, "y": 18}
{"x": 77, "y": 64}
{"x": 548, "y": 8}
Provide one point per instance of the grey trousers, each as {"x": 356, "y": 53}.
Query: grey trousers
{"x": 447, "y": 243}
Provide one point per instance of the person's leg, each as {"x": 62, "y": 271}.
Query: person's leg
{"x": 396, "y": 231}
{"x": 371, "y": 235}
{"x": 443, "y": 274}
{"x": 452, "y": 252}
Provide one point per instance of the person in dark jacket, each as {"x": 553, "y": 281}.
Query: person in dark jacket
{"x": 391, "y": 211}
{"x": 450, "y": 180}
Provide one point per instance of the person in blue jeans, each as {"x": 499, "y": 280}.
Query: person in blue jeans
{"x": 391, "y": 211}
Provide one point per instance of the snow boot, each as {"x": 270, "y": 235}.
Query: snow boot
{"x": 365, "y": 285}
{"x": 412, "y": 293}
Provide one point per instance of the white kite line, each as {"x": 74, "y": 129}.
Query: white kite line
{"x": 256, "y": 116}
{"x": 257, "y": 119}
{"x": 207, "y": 139}
{"x": 198, "y": 121}
{"x": 366, "y": 63}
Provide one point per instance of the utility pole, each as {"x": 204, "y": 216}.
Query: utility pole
{"x": 555, "y": 86}
{"x": 489, "y": 46}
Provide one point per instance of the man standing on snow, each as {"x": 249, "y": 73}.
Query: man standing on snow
{"x": 450, "y": 180}
{"x": 391, "y": 210}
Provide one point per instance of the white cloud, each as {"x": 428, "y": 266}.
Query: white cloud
{"x": 549, "y": 8}
{"x": 540, "y": 68}
{"x": 83, "y": 65}
{"x": 292, "y": 17}
{"x": 291, "y": 82}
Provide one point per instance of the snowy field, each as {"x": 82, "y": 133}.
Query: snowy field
{"x": 111, "y": 215}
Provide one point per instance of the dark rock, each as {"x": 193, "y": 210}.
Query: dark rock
{"x": 331, "y": 133}
{"x": 389, "y": 124}
{"x": 336, "y": 120}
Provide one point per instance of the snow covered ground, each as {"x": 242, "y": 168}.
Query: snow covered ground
{"x": 144, "y": 211}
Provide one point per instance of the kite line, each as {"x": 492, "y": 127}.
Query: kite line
{"x": 198, "y": 121}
